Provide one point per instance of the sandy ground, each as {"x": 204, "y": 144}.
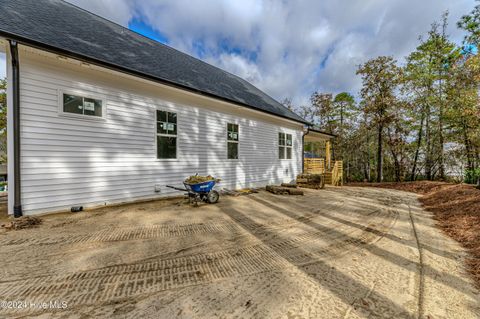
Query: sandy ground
{"x": 335, "y": 253}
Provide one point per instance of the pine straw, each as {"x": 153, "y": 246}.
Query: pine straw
{"x": 456, "y": 209}
{"x": 422, "y": 187}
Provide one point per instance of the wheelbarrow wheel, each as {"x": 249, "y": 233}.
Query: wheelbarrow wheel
{"x": 212, "y": 197}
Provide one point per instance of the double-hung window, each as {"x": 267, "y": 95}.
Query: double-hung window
{"x": 166, "y": 134}
{"x": 284, "y": 146}
{"x": 232, "y": 141}
{"x": 79, "y": 105}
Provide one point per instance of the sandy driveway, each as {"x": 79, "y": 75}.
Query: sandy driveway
{"x": 334, "y": 253}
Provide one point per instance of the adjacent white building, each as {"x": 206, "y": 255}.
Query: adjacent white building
{"x": 101, "y": 126}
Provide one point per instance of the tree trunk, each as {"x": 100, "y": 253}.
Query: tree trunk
{"x": 413, "y": 175}
{"x": 341, "y": 119}
{"x": 380, "y": 154}
{"x": 468, "y": 147}
{"x": 428, "y": 140}
{"x": 441, "y": 158}
{"x": 396, "y": 162}
{"x": 368, "y": 170}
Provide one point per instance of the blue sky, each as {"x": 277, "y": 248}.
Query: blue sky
{"x": 139, "y": 25}
{"x": 289, "y": 49}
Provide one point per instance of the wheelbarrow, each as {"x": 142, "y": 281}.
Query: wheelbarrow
{"x": 200, "y": 192}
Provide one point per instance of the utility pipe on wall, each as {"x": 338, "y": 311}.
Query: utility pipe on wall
{"x": 303, "y": 149}
{"x": 17, "y": 204}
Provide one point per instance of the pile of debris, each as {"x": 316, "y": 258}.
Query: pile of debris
{"x": 196, "y": 179}
{"x": 315, "y": 181}
{"x": 23, "y": 222}
{"x": 284, "y": 189}
{"x": 238, "y": 192}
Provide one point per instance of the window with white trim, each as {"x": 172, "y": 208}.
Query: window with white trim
{"x": 285, "y": 146}
{"x": 232, "y": 141}
{"x": 166, "y": 134}
{"x": 82, "y": 105}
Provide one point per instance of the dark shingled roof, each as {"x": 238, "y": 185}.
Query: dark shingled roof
{"x": 64, "y": 28}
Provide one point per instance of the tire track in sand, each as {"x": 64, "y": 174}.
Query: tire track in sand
{"x": 124, "y": 281}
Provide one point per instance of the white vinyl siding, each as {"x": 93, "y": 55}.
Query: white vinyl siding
{"x": 68, "y": 162}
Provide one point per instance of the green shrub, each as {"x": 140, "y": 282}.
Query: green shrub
{"x": 472, "y": 176}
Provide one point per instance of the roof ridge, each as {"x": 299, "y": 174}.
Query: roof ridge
{"x": 121, "y": 48}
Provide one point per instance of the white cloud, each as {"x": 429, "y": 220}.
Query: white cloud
{"x": 238, "y": 65}
{"x": 289, "y": 48}
{"x": 118, "y": 11}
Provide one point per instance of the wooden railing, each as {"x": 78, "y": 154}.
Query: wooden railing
{"x": 314, "y": 166}
{"x": 337, "y": 173}
{"x": 317, "y": 166}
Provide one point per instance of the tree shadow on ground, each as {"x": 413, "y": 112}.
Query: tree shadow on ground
{"x": 450, "y": 280}
{"x": 349, "y": 223}
{"x": 341, "y": 285}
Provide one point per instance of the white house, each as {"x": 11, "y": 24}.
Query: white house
{"x": 104, "y": 115}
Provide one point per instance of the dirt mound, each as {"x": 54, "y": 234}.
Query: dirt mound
{"x": 195, "y": 179}
{"x": 22, "y": 223}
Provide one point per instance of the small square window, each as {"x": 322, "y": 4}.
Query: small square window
{"x": 76, "y": 104}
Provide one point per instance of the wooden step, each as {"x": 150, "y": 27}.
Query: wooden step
{"x": 328, "y": 178}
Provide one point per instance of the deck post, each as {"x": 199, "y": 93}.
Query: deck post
{"x": 328, "y": 156}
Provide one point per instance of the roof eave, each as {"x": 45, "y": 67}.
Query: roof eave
{"x": 322, "y": 132}
{"x": 111, "y": 66}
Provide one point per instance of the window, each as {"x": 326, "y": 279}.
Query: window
{"x": 284, "y": 146}
{"x": 81, "y": 105}
{"x": 166, "y": 134}
{"x": 232, "y": 141}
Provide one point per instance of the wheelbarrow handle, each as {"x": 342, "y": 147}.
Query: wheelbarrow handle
{"x": 177, "y": 188}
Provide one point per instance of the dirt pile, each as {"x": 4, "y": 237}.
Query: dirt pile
{"x": 195, "y": 179}
{"x": 282, "y": 190}
{"x": 22, "y": 223}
